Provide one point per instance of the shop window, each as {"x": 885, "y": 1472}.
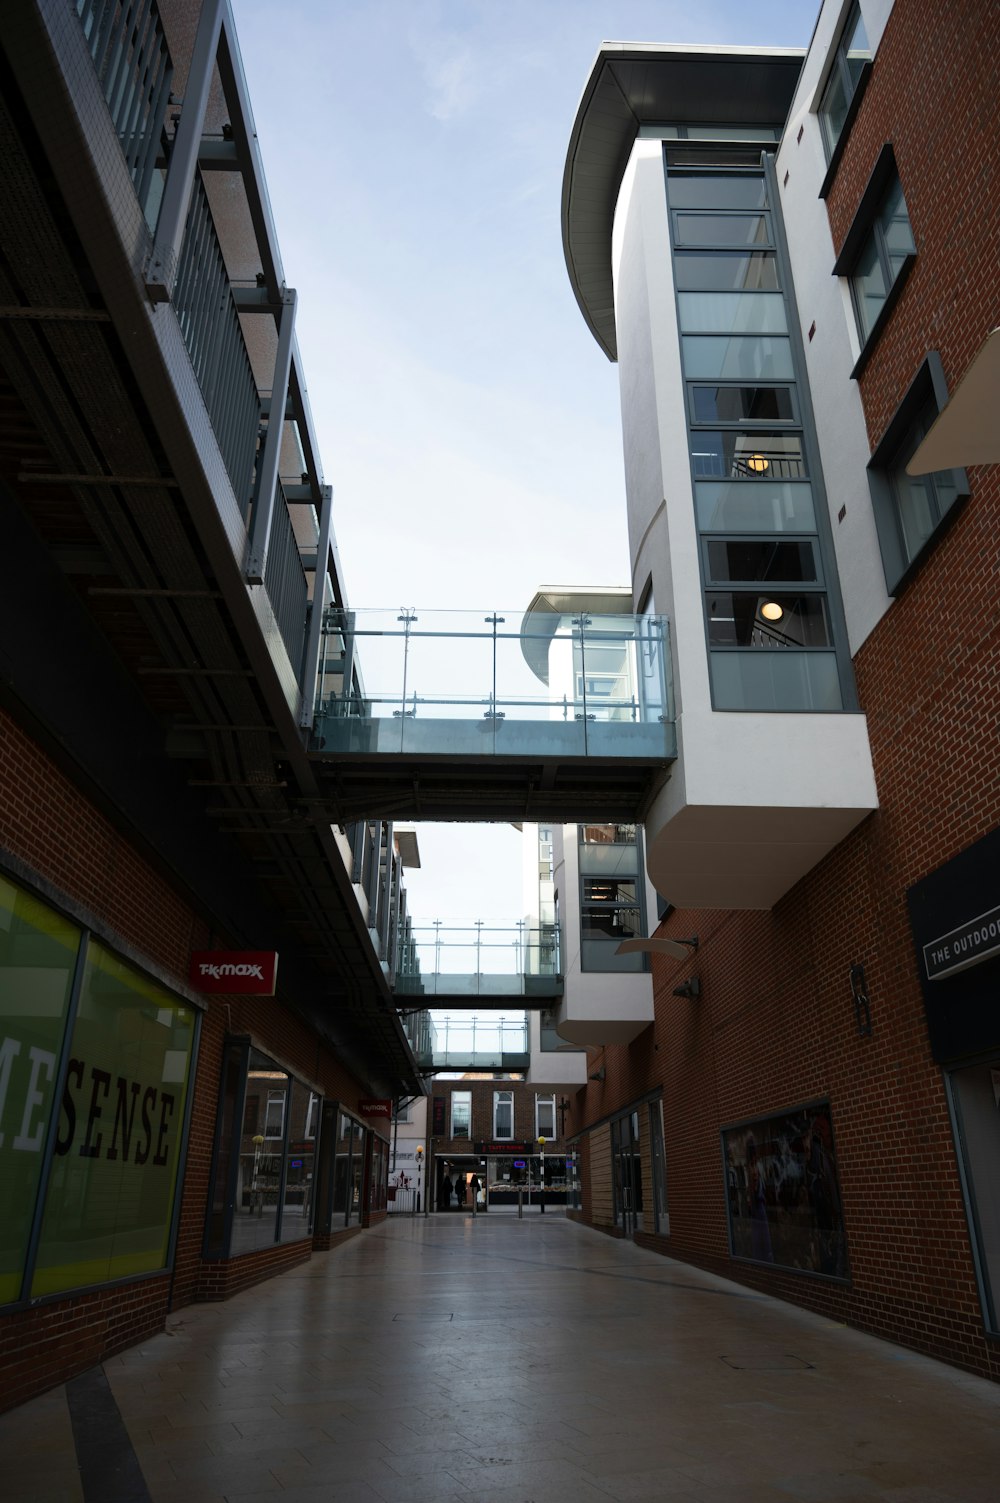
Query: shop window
{"x": 263, "y": 1172}
{"x": 38, "y": 957}
{"x": 911, "y": 510}
{"x": 878, "y": 252}
{"x": 110, "y": 1198}
{"x": 503, "y": 1116}
{"x": 461, "y": 1114}
{"x": 783, "y": 1192}
{"x": 658, "y": 1169}
{"x": 976, "y": 1096}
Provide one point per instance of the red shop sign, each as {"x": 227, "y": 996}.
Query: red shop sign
{"x": 234, "y": 972}
{"x": 373, "y": 1106}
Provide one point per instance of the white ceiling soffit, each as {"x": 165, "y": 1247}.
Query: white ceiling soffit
{"x": 967, "y": 430}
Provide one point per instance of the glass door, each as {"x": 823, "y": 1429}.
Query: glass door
{"x": 626, "y": 1164}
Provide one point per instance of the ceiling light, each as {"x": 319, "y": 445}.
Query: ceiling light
{"x": 771, "y": 610}
{"x": 758, "y": 464}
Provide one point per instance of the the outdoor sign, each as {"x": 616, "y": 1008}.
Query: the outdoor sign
{"x": 519, "y": 1164}
{"x": 969, "y": 944}
{"x": 234, "y": 972}
{"x": 374, "y": 1106}
{"x": 437, "y": 1118}
{"x": 955, "y": 919}
{"x": 502, "y": 1150}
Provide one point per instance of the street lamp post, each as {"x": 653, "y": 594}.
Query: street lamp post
{"x": 541, "y": 1174}
{"x": 420, "y": 1161}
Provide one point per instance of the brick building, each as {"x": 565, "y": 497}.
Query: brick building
{"x": 793, "y": 261}
{"x": 491, "y": 1127}
{"x": 165, "y": 1136}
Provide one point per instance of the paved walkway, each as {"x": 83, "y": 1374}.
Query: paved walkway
{"x": 506, "y": 1361}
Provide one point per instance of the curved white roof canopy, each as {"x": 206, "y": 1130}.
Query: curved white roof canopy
{"x": 554, "y": 602}
{"x": 647, "y": 83}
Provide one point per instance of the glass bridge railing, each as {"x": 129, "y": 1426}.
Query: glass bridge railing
{"x": 463, "y": 684}
{"x": 480, "y": 960}
{"x": 469, "y": 1043}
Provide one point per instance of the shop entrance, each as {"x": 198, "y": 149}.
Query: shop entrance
{"x": 626, "y": 1162}
{"x": 454, "y": 1185}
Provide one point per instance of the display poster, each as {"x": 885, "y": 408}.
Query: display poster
{"x": 38, "y": 956}
{"x": 110, "y": 1195}
{"x": 783, "y": 1192}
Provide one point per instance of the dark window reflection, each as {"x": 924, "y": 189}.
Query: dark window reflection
{"x": 762, "y": 560}
{"x": 737, "y": 404}
{"x": 768, "y": 621}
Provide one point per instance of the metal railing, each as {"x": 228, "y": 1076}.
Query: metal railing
{"x": 285, "y": 581}
{"x": 470, "y": 1043}
{"x": 458, "y": 683}
{"x": 206, "y": 311}
{"x": 480, "y": 960}
{"x": 130, "y": 54}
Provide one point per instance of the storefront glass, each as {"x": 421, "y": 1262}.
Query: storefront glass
{"x": 976, "y": 1094}
{"x": 38, "y": 956}
{"x": 110, "y": 1196}
{"x": 300, "y": 1154}
{"x": 783, "y": 1192}
{"x": 265, "y": 1156}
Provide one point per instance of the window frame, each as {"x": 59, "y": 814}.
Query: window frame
{"x": 466, "y": 1098}
{"x": 928, "y": 384}
{"x": 498, "y": 1136}
{"x": 866, "y": 225}
{"x": 840, "y": 69}
{"x": 548, "y": 1100}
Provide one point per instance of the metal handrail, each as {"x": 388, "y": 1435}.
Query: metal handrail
{"x": 129, "y": 50}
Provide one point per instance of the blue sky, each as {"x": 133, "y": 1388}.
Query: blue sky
{"x": 466, "y": 419}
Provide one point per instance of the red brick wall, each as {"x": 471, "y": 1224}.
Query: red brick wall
{"x": 47, "y": 824}
{"x": 774, "y": 1026}
{"x": 482, "y": 1113}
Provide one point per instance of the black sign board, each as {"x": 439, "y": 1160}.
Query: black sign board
{"x": 955, "y": 918}
{"x": 438, "y": 1129}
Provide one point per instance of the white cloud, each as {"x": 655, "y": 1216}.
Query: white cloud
{"x": 451, "y": 84}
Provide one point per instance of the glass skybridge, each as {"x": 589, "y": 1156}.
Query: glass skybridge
{"x": 468, "y": 1043}
{"x": 459, "y": 715}
{"x": 473, "y": 964}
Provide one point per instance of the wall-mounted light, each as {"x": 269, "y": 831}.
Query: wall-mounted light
{"x": 689, "y": 988}
{"x": 771, "y": 610}
{"x": 597, "y": 1075}
{"x": 675, "y": 948}
{"x": 758, "y": 464}
{"x": 862, "y": 1005}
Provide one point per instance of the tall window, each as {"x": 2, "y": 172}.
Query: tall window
{"x": 883, "y": 255}
{"x": 770, "y": 637}
{"x": 545, "y": 1117}
{"x": 878, "y": 251}
{"x": 611, "y": 907}
{"x": 461, "y": 1114}
{"x": 503, "y": 1116}
{"x": 849, "y": 62}
{"x": 910, "y": 509}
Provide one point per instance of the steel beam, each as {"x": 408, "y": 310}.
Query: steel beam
{"x": 184, "y": 156}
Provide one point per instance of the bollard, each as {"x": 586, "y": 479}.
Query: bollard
{"x": 520, "y": 1204}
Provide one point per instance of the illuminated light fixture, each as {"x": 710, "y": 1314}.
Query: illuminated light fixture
{"x": 771, "y": 610}
{"x": 758, "y": 464}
